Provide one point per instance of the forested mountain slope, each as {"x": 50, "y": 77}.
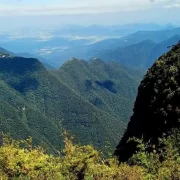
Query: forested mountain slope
{"x": 156, "y": 112}
{"x": 110, "y": 87}
{"x": 140, "y": 55}
{"x": 137, "y": 56}
{"x": 157, "y": 107}
{"x": 40, "y": 104}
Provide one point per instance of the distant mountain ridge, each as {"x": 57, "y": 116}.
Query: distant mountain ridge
{"x": 156, "y": 36}
{"x": 43, "y": 60}
{"x": 141, "y": 55}
{"x": 109, "y": 48}
{"x": 111, "y": 30}
{"x": 58, "y": 49}
{"x": 5, "y": 53}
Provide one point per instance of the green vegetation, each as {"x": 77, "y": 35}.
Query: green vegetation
{"x": 37, "y": 103}
{"x": 139, "y": 55}
{"x": 40, "y": 104}
{"x": 111, "y": 87}
{"x": 19, "y": 160}
{"x": 156, "y": 110}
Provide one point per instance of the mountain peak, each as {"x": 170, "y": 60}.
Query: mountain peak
{"x": 5, "y": 55}
{"x": 75, "y": 60}
{"x": 97, "y": 61}
{"x": 18, "y": 65}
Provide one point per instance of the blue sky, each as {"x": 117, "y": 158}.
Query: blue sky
{"x": 90, "y": 11}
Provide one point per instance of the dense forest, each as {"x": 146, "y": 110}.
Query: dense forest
{"x": 90, "y": 90}
{"x": 19, "y": 160}
{"x": 79, "y": 97}
{"x": 156, "y": 110}
{"x": 149, "y": 148}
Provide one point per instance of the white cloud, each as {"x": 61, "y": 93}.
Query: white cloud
{"x": 50, "y": 50}
{"x": 172, "y": 6}
{"x": 78, "y": 7}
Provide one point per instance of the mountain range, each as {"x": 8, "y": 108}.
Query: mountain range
{"x": 79, "y": 97}
{"x": 110, "y": 30}
{"x": 141, "y": 55}
{"x": 91, "y": 99}
{"x": 56, "y": 47}
{"x": 124, "y": 49}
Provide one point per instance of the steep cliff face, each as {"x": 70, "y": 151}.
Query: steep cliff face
{"x": 157, "y": 107}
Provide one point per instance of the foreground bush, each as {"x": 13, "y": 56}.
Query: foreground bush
{"x": 19, "y": 160}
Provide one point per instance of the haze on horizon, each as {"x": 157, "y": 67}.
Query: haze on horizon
{"x": 54, "y": 13}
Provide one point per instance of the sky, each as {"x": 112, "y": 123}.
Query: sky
{"x": 85, "y": 12}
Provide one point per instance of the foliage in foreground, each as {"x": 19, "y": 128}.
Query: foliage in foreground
{"x": 19, "y": 160}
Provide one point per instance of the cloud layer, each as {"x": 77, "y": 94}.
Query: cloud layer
{"x": 28, "y": 13}
{"x": 22, "y": 8}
